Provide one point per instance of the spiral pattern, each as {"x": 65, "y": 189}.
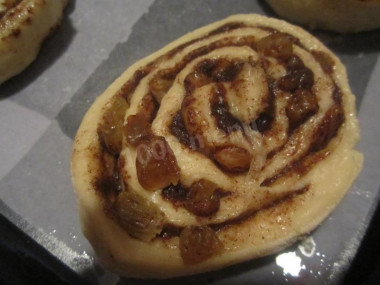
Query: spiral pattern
{"x": 240, "y": 109}
{"x": 199, "y": 139}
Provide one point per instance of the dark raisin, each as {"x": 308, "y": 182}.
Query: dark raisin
{"x": 302, "y": 78}
{"x": 175, "y": 193}
{"x": 301, "y": 106}
{"x": 294, "y": 62}
{"x": 202, "y": 198}
{"x": 263, "y": 122}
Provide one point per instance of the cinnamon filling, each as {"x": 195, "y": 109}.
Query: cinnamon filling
{"x": 170, "y": 231}
{"x": 219, "y": 109}
{"x": 8, "y": 5}
{"x": 202, "y": 198}
{"x": 325, "y": 60}
{"x": 264, "y": 122}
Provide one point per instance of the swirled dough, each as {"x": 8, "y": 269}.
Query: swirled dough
{"x": 23, "y": 27}
{"x": 344, "y": 16}
{"x": 226, "y": 145}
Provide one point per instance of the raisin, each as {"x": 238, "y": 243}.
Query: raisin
{"x": 160, "y": 84}
{"x": 263, "y": 122}
{"x": 233, "y": 158}
{"x": 148, "y": 108}
{"x": 294, "y": 62}
{"x": 111, "y": 128}
{"x": 202, "y": 199}
{"x": 156, "y": 164}
{"x": 175, "y": 193}
{"x": 139, "y": 218}
{"x": 297, "y": 77}
{"x": 136, "y": 129}
{"x": 301, "y": 106}
{"x": 276, "y": 45}
{"x": 198, "y": 244}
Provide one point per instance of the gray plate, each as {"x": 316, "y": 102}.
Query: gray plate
{"x": 40, "y": 111}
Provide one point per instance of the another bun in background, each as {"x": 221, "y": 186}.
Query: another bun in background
{"x": 343, "y": 16}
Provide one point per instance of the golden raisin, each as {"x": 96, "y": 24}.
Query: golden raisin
{"x": 137, "y": 128}
{"x": 197, "y": 244}
{"x": 276, "y": 45}
{"x": 111, "y": 128}
{"x": 233, "y": 158}
{"x": 148, "y": 108}
{"x": 156, "y": 164}
{"x": 139, "y": 218}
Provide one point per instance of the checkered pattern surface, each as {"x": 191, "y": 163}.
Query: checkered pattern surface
{"x": 41, "y": 109}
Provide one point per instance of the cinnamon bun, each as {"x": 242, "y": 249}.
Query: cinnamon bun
{"x": 344, "y": 16}
{"x": 226, "y": 145}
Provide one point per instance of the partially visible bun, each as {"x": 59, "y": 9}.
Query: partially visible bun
{"x": 23, "y": 27}
{"x": 343, "y": 16}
